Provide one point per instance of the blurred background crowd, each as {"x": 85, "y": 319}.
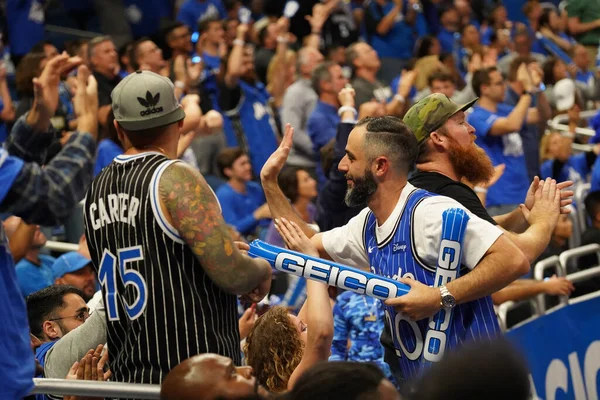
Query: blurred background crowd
{"x": 242, "y": 69}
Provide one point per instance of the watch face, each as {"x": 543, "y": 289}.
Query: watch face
{"x": 448, "y": 301}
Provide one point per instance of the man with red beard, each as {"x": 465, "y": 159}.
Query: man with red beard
{"x": 448, "y": 154}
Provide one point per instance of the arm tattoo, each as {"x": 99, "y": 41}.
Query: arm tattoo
{"x": 196, "y": 215}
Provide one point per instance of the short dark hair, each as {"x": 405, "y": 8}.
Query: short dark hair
{"x": 39, "y": 46}
{"x": 481, "y": 77}
{"x": 134, "y": 52}
{"x": 44, "y": 304}
{"x": 204, "y": 24}
{"x": 515, "y": 64}
{"x": 501, "y": 374}
{"x": 168, "y": 30}
{"x": 592, "y": 204}
{"x": 548, "y": 68}
{"x": 227, "y": 157}
{"x": 145, "y": 137}
{"x": 423, "y": 46}
{"x": 343, "y": 380}
{"x": 74, "y": 46}
{"x": 391, "y": 137}
{"x": 28, "y": 68}
{"x": 288, "y": 182}
{"x": 442, "y": 75}
{"x": 321, "y": 73}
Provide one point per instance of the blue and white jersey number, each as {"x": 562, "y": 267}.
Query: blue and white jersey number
{"x": 110, "y": 267}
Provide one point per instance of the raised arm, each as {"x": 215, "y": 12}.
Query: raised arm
{"x": 47, "y": 196}
{"x": 319, "y": 317}
{"x": 234, "y": 64}
{"x": 191, "y": 207}
{"x": 279, "y": 204}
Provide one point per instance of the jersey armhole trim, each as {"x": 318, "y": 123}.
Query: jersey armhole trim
{"x": 159, "y": 216}
{"x": 413, "y": 247}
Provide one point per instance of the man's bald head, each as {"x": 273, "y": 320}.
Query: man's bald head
{"x": 210, "y": 377}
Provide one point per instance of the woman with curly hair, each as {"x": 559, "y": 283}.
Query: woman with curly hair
{"x": 281, "y": 346}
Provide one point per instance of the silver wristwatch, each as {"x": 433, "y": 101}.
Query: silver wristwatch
{"x": 448, "y": 301}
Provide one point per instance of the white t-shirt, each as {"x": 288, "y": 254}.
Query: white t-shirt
{"x": 345, "y": 244}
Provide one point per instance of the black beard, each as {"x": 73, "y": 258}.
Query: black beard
{"x": 364, "y": 187}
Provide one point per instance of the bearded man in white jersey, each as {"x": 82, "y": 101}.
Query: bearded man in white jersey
{"x": 169, "y": 269}
{"x": 399, "y": 235}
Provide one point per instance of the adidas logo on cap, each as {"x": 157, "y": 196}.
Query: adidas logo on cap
{"x": 150, "y": 103}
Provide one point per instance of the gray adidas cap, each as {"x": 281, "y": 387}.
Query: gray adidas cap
{"x": 145, "y": 100}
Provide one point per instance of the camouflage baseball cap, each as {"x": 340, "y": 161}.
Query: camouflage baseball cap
{"x": 430, "y": 113}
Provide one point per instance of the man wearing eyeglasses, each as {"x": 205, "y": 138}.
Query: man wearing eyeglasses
{"x": 61, "y": 320}
{"x": 498, "y": 129}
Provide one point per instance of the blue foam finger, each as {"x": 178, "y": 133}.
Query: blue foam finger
{"x": 328, "y": 272}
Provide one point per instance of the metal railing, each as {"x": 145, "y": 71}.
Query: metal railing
{"x": 507, "y": 306}
{"x": 538, "y": 274}
{"x": 95, "y": 389}
{"x": 61, "y": 247}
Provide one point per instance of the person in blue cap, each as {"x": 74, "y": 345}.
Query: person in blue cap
{"x": 76, "y": 270}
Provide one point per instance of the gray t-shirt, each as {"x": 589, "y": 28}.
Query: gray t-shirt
{"x": 367, "y": 91}
{"x": 298, "y": 103}
{"x": 75, "y": 344}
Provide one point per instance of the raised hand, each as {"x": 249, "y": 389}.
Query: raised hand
{"x": 547, "y": 205}
{"x": 566, "y": 196}
{"x": 46, "y": 86}
{"x": 85, "y": 101}
{"x": 346, "y": 96}
{"x": 277, "y": 160}
{"x": 247, "y": 320}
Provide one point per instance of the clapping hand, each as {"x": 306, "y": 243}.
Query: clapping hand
{"x": 294, "y": 237}
{"x": 566, "y": 196}
{"x": 90, "y": 368}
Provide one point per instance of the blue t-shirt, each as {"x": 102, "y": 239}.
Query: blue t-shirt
{"x": 10, "y": 167}
{"x": 212, "y": 67}
{"x": 194, "y": 11}
{"x": 321, "y": 128}
{"x": 585, "y": 77}
{"x": 530, "y": 135}
{"x": 33, "y": 277}
{"x": 237, "y": 208}
{"x": 3, "y": 130}
{"x": 399, "y": 42}
{"x": 574, "y": 169}
{"x": 17, "y": 364}
{"x": 596, "y": 176}
{"x": 507, "y": 149}
{"x": 144, "y": 15}
{"x": 394, "y": 86}
{"x": 25, "y": 20}
{"x": 447, "y": 40}
{"x": 107, "y": 151}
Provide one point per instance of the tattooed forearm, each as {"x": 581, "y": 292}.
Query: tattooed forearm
{"x": 196, "y": 215}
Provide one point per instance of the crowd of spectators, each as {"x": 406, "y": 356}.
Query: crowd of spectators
{"x": 242, "y": 70}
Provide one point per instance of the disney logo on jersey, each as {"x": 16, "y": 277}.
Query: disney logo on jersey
{"x": 348, "y": 279}
{"x": 150, "y": 103}
{"x": 399, "y": 247}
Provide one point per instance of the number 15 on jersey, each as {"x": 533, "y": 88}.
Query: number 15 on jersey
{"x": 114, "y": 267}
